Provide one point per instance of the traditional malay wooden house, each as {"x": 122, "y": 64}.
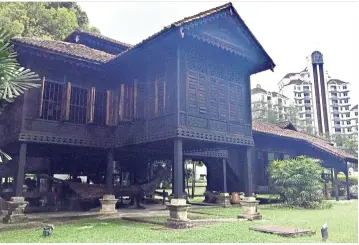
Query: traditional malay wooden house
{"x": 182, "y": 93}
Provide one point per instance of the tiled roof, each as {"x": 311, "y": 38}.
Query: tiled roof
{"x": 337, "y": 81}
{"x": 192, "y": 18}
{"x": 261, "y": 127}
{"x": 179, "y": 23}
{"x": 70, "y": 49}
{"x": 258, "y": 90}
{"x": 114, "y": 41}
{"x": 275, "y": 94}
{"x": 286, "y": 125}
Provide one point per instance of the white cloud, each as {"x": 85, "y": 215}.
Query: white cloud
{"x": 289, "y": 31}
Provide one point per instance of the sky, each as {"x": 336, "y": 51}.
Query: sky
{"x": 288, "y": 30}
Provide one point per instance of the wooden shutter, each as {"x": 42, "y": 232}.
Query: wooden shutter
{"x": 111, "y": 108}
{"x": 42, "y": 96}
{"x": 122, "y": 103}
{"x": 135, "y": 99}
{"x": 66, "y": 97}
{"x": 91, "y": 97}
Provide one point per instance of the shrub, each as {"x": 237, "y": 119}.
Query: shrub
{"x": 354, "y": 191}
{"x": 298, "y": 181}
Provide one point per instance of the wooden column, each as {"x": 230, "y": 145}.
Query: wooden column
{"x": 336, "y": 185}
{"x": 224, "y": 162}
{"x": 109, "y": 174}
{"x": 178, "y": 169}
{"x": 347, "y": 180}
{"x": 21, "y": 170}
{"x": 249, "y": 168}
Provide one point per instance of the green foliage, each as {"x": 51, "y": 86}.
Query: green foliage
{"x": 353, "y": 180}
{"x": 354, "y": 191}
{"x": 14, "y": 79}
{"x": 298, "y": 181}
{"x": 48, "y": 20}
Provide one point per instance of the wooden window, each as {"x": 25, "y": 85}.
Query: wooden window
{"x": 51, "y": 103}
{"x": 78, "y": 105}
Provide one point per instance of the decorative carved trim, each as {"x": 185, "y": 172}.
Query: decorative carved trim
{"x": 217, "y": 154}
{"x": 215, "y": 137}
{"x": 64, "y": 140}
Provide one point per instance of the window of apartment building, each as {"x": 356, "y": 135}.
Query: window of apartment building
{"x": 51, "y": 100}
{"x": 333, "y": 87}
{"x": 348, "y": 122}
{"x": 305, "y": 87}
{"x": 347, "y": 114}
{"x": 349, "y": 130}
{"x": 308, "y": 108}
{"x": 78, "y": 105}
{"x": 299, "y": 94}
{"x": 344, "y": 87}
{"x": 346, "y": 101}
{"x": 299, "y": 102}
{"x": 347, "y": 107}
{"x": 356, "y": 113}
{"x": 335, "y": 108}
{"x": 309, "y": 115}
{"x": 306, "y": 94}
{"x": 301, "y": 116}
{"x": 335, "y": 101}
{"x": 337, "y": 123}
{"x": 334, "y": 94}
{"x": 345, "y": 94}
{"x": 307, "y": 101}
{"x": 337, "y": 130}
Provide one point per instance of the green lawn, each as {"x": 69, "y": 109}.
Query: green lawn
{"x": 341, "y": 218}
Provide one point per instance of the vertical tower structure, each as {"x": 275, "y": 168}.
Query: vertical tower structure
{"x": 320, "y": 92}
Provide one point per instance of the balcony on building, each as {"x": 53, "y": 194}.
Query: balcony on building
{"x": 306, "y": 89}
{"x": 334, "y": 95}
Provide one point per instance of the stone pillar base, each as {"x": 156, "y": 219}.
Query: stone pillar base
{"x": 178, "y": 214}
{"x": 250, "y": 212}
{"x": 108, "y": 204}
{"x": 224, "y": 200}
{"x": 16, "y": 207}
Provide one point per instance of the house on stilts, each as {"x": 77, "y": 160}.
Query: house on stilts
{"x": 182, "y": 93}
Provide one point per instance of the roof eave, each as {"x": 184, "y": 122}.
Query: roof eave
{"x": 75, "y": 58}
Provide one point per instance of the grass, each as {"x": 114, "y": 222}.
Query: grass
{"x": 341, "y": 218}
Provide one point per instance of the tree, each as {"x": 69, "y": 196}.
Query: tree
{"x": 14, "y": 79}
{"x": 47, "y": 20}
{"x": 298, "y": 181}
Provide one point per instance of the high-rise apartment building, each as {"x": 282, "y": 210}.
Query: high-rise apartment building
{"x": 263, "y": 99}
{"x": 323, "y": 103}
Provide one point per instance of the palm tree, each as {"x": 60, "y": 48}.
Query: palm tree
{"x": 14, "y": 79}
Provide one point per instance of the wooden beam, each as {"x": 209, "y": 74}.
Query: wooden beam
{"x": 42, "y": 96}
{"x": 21, "y": 170}
{"x": 178, "y": 169}
{"x": 91, "y": 98}
{"x": 66, "y": 100}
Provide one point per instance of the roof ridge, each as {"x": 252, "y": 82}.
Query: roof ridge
{"x": 100, "y": 36}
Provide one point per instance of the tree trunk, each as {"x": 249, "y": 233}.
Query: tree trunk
{"x": 187, "y": 179}
{"x": 193, "y": 178}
